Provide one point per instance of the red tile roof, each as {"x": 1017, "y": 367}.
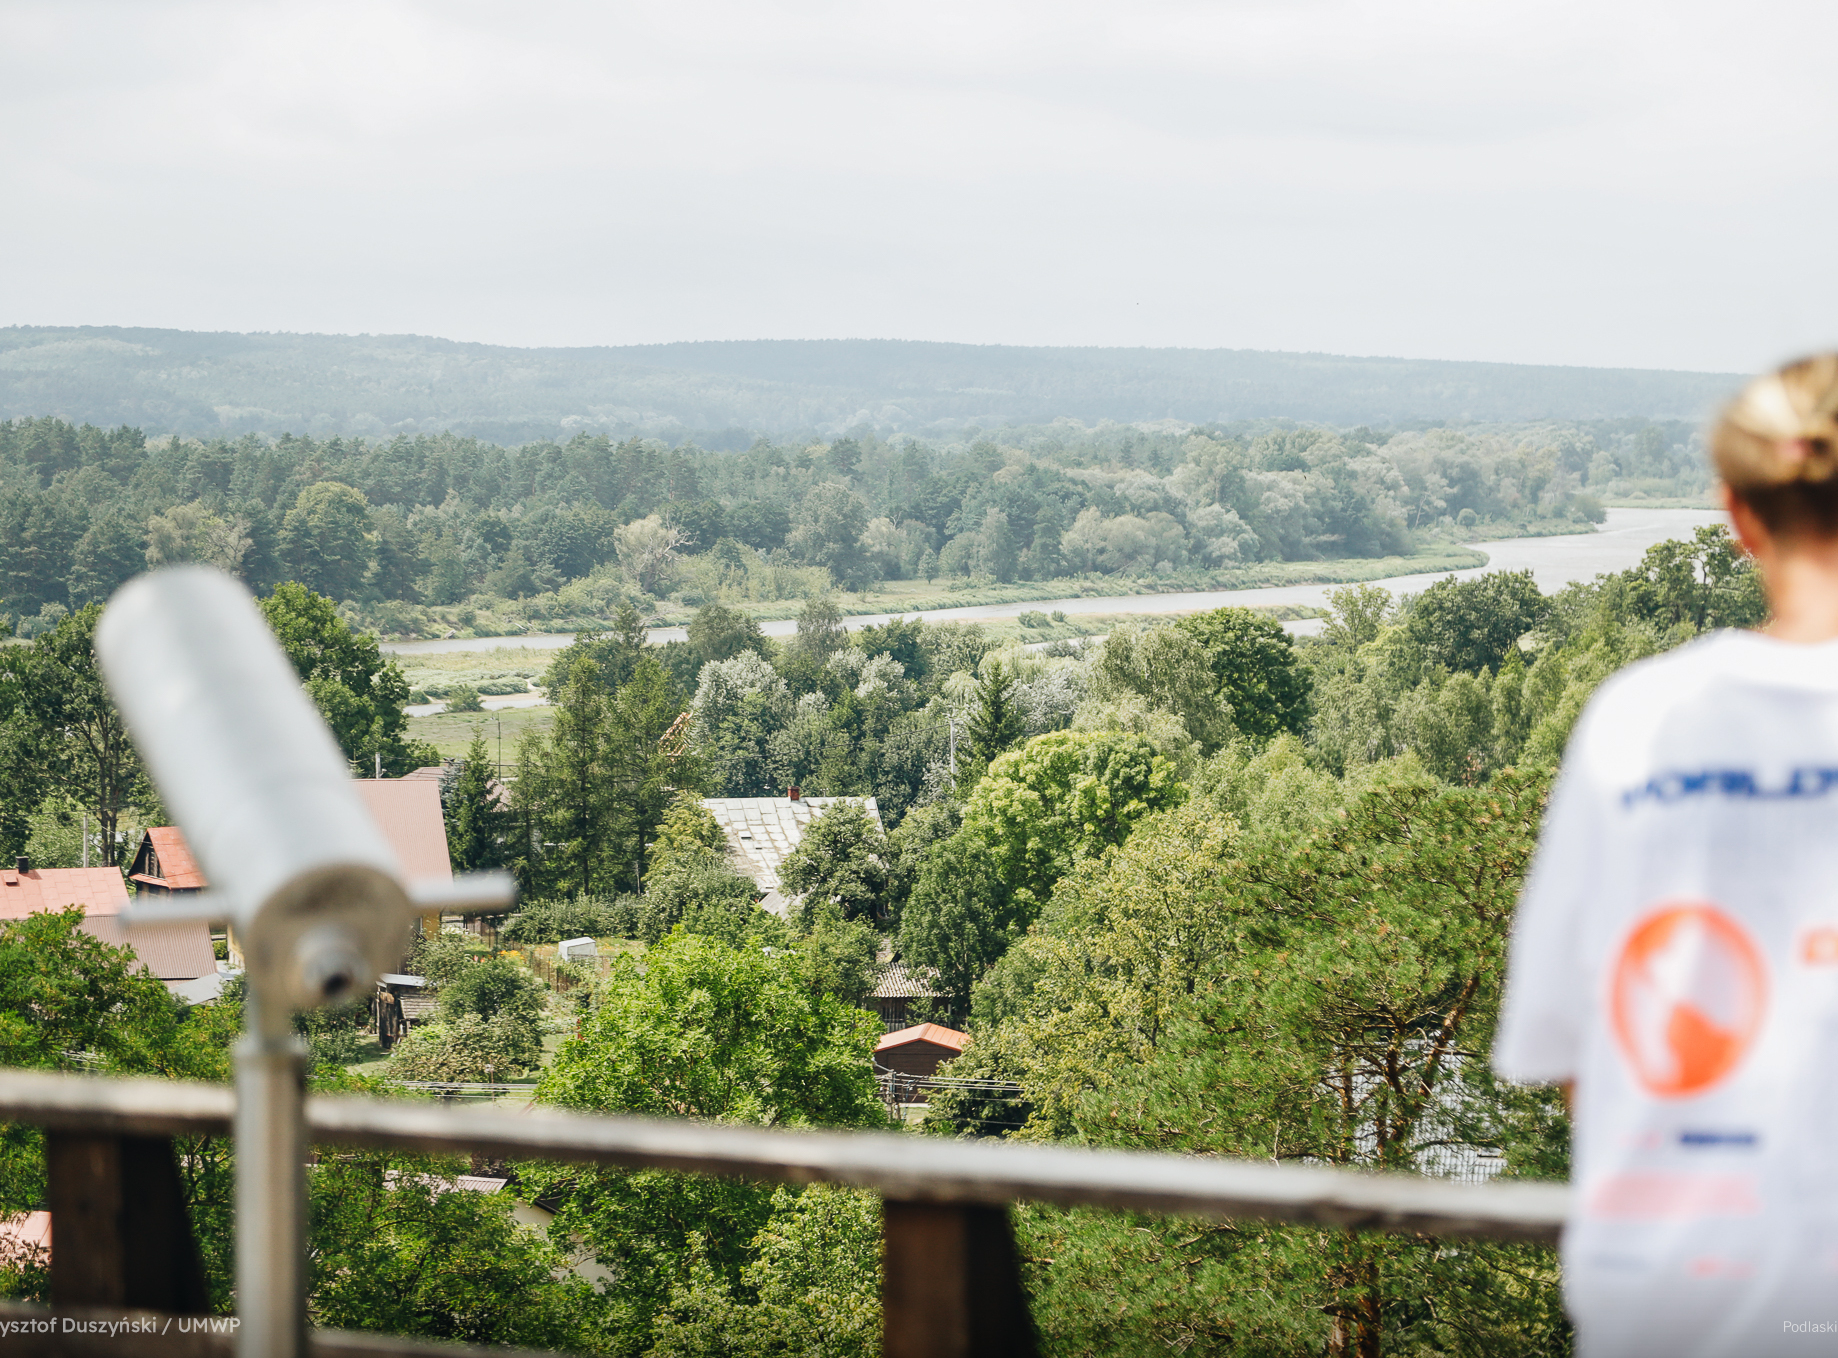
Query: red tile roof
{"x": 925, "y": 1032}
{"x": 178, "y": 870}
{"x": 99, "y": 891}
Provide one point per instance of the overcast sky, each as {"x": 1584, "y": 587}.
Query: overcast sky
{"x": 1566, "y": 181}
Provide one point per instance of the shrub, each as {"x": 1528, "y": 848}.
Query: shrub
{"x": 468, "y": 1048}
{"x": 582, "y": 917}
{"x": 464, "y": 698}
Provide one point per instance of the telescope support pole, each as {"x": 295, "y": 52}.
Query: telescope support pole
{"x": 270, "y": 1184}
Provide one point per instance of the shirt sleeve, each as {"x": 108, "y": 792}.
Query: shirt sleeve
{"x": 1547, "y": 988}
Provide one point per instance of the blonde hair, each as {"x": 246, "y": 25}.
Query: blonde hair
{"x": 1776, "y": 446}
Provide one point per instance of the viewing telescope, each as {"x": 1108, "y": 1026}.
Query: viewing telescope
{"x": 298, "y": 868}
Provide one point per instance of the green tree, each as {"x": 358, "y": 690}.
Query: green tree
{"x": 1356, "y": 614}
{"x": 475, "y": 820}
{"x": 720, "y": 633}
{"x": 63, "y": 732}
{"x": 643, "y": 777}
{"x": 360, "y": 694}
{"x": 1471, "y": 624}
{"x": 571, "y": 777}
{"x": 701, "y": 1030}
{"x": 841, "y": 859}
{"x": 1261, "y": 683}
{"x": 811, "y": 1286}
{"x": 1063, "y": 797}
{"x": 397, "y": 1246}
{"x": 614, "y": 653}
{"x": 827, "y": 527}
{"x": 325, "y": 539}
{"x": 996, "y": 722}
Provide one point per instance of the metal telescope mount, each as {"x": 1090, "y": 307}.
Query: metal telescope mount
{"x": 298, "y": 868}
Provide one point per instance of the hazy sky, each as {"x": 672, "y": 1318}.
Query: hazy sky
{"x": 1639, "y": 184}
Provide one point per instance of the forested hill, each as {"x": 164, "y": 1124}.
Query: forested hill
{"x": 174, "y": 381}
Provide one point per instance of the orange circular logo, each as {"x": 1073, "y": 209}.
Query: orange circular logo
{"x": 1690, "y": 991}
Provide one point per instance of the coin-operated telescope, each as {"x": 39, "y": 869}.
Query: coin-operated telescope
{"x": 297, "y": 867}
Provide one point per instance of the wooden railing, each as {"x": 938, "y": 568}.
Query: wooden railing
{"x": 952, "y": 1280}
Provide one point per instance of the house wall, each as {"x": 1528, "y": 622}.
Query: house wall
{"x": 915, "y": 1058}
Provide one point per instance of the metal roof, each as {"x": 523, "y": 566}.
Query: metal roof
{"x": 924, "y": 1032}
{"x": 761, "y": 831}
{"x": 98, "y": 891}
{"x": 896, "y": 981}
{"x": 177, "y": 870}
{"x": 172, "y": 952}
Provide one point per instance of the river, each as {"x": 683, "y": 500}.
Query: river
{"x": 1554, "y": 563}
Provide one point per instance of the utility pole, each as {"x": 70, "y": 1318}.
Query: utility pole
{"x": 86, "y": 839}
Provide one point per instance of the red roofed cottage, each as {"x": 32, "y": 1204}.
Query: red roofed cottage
{"x": 173, "y": 952}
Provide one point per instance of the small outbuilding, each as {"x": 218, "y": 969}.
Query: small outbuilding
{"x": 918, "y": 1051}
{"x": 899, "y": 988}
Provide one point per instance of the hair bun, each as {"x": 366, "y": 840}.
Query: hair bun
{"x": 1782, "y": 428}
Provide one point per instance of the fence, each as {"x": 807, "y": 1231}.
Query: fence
{"x": 952, "y": 1283}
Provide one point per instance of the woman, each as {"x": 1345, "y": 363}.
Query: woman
{"x": 1675, "y": 954}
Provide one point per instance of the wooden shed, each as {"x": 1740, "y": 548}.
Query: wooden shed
{"x": 919, "y": 1050}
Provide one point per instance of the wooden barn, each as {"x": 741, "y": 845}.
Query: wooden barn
{"x": 918, "y": 1051}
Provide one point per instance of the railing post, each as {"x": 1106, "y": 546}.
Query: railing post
{"x": 270, "y": 1184}
{"x": 951, "y": 1283}
{"x": 120, "y": 1236}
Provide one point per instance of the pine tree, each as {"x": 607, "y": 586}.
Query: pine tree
{"x": 996, "y": 724}
{"x": 475, "y": 822}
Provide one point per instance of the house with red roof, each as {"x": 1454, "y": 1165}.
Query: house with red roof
{"x": 176, "y": 953}
{"x": 407, "y": 811}
{"x": 918, "y": 1052}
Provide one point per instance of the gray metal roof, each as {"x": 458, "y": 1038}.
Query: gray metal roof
{"x": 761, "y": 831}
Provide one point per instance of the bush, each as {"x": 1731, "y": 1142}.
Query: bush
{"x": 493, "y": 986}
{"x": 442, "y": 957}
{"x": 582, "y": 917}
{"x": 468, "y": 1048}
{"x": 464, "y": 698}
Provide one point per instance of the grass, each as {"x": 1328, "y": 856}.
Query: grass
{"x": 451, "y": 732}
{"x": 443, "y": 669}
{"x": 918, "y": 596}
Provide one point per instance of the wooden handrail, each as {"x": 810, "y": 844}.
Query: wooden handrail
{"x": 899, "y": 1167}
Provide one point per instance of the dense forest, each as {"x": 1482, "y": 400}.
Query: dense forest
{"x": 205, "y": 384}
{"x": 427, "y": 534}
{"x": 1197, "y": 887}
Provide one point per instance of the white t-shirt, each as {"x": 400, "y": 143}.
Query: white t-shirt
{"x": 1676, "y": 954}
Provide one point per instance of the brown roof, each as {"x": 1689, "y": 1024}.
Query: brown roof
{"x": 172, "y": 952}
{"x": 99, "y": 891}
{"x": 924, "y": 1032}
{"x": 178, "y": 870}
{"x": 407, "y": 811}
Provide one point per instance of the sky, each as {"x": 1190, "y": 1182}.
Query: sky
{"x": 1625, "y": 184}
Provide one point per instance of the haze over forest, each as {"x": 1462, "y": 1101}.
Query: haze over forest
{"x": 719, "y": 394}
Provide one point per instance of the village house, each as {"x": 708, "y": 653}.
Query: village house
{"x": 176, "y": 953}
{"x": 912, "y": 1055}
{"x": 407, "y": 810}
{"x": 762, "y": 832}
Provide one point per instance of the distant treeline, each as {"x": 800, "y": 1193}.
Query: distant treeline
{"x": 724, "y": 393}
{"x": 577, "y": 529}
